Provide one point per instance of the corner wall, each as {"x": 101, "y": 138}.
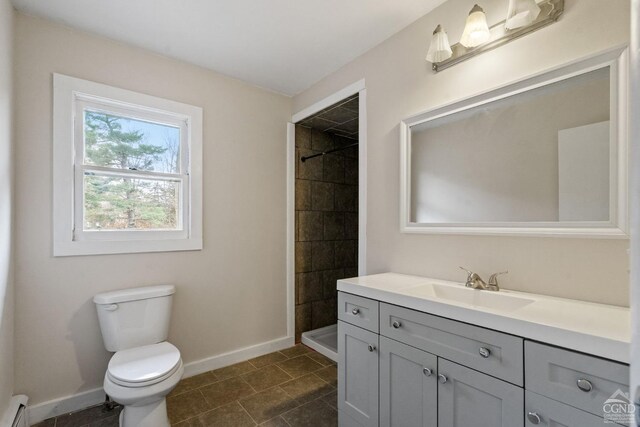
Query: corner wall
{"x": 6, "y": 205}
{"x": 400, "y": 83}
{"x": 230, "y": 295}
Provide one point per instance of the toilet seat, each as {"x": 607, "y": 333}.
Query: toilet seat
{"x": 144, "y": 366}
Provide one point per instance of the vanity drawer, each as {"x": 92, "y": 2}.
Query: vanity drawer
{"x": 555, "y": 373}
{"x": 359, "y": 311}
{"x": 494, "y": 353}
{"x": 540, "y": 411}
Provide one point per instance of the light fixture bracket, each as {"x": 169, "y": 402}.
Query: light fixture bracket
{"x": 550, "y": 12}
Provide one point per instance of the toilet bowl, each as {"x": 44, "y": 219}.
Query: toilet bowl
{"x": 140, "y": 378}
{"x": 145, "y": 367}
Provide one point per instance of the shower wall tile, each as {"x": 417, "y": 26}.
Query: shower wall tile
{"x": 310, "y": 226}
{"x": 303, "y": 137}
{"x": 321, "y": 141}
{"x": 303, "y": 319}
{"x": 334, "y": 226}
{"x": 351, "y": 225}
{"x": 322, "y": 255}
{"x": 352, "y": 152}
{"x": 329, "y": 279}
{"x": 346, "y": 198}
{"x": 323, "y": 313}
{"x": 322, "y": 196}
{"x": 303, "y": 195}
{"x": 334, "y": 168}
{"x": 310, "y": 287}
{"x": 350, "y": 272}
{"x": 351, "y": 170}
{"x": 303, "y": 257}
{"x": 345, "y": 253}
{"x": 309, "y": 169}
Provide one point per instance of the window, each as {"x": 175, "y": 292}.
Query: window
{"x": 127, "y": 171}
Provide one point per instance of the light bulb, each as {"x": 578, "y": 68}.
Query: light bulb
{"x": 521, "y": 13}
{"x": 476, "y": 31}
{"x": 440, "y": 49}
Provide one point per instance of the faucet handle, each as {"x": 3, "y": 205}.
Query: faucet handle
{"x": 493, "y": 279}
{"x": 469, "y": 272}
{"x": 471, "y": 277}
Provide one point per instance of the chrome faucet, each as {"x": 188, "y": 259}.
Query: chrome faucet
{"x": 474, "y": 281}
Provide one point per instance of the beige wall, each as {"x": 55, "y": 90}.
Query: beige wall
{"x": 230, "y": 295}
{"x": 6, "y": 195}
{"x": 400, "y": 83}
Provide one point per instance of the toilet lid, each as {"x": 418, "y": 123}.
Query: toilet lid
{"x": 144, "y": 364}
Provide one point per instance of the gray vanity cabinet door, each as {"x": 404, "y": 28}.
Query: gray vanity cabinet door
{"x": 408, "y": 386}
{"x": 357, "y": 376}
{"x": 469, "y": 398}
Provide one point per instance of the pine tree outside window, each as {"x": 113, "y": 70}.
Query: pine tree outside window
{"x": 136, "y": 171}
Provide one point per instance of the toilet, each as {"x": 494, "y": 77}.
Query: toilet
{"x": 145, "y": 367}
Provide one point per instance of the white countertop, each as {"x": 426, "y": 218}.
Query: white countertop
{"x": 598, "y": 329}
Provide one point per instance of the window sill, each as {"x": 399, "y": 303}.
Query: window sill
{"x": 93, "y": 247}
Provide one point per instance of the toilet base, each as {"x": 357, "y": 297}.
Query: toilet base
{"x": 151, "y": 415}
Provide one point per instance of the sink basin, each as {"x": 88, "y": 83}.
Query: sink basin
{"x": 476, "y": 298}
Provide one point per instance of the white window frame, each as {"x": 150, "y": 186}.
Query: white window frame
{"x": 70, "y": 98}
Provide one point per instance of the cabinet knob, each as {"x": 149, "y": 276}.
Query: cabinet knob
{"x": 427, "y": 371}
{"x": 372, "y": 347}
{"x": 396, "y": 325}
{"x": 585, "y": 385}
{"x": 442, "y": 378}
{"x": 534, "y": 418}
{"x": 484, "y": 352}
{"x": 355, "y": 311}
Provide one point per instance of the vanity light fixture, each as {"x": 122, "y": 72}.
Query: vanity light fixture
{"x": 521, "y": 13}
{"x": 523, "y": 17}
{"x": 440, "y": 49}
{"x": 476, "y": 31}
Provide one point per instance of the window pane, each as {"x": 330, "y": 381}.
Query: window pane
{"x": 117, "y": 203}
{"x": 125, "y": 143}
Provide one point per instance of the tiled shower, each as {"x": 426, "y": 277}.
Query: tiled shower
{"x": 326, "y": 204}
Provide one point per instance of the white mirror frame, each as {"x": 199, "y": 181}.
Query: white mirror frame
{"x": 615, "y": 228}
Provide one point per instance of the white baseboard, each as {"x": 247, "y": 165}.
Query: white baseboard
{"x": 226, "y": 359}
{"x": 75, "y": 402}
{"x": 63, "y": 405}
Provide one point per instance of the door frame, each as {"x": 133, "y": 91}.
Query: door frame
{"x": 355, "y": 88}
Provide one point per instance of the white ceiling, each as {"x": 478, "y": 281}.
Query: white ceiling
{"x": 282, "y": 45}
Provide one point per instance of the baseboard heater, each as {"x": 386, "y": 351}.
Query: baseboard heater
{"x": 16, "y": 415}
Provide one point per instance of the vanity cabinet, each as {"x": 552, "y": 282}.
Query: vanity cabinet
{"x": 414, "y": 369}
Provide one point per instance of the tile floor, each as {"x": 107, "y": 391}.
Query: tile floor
{"x": 295, "y": 387}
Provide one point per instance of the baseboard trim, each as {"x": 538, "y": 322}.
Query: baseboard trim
{"x": 75, "y": 402}
{"x": 226, "y": 359}
{"x": 63, "y": 405}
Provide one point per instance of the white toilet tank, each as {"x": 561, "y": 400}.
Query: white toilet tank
{"x": 134, "y": 317}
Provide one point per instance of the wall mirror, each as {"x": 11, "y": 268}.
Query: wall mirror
{"x": 543, "y": 156}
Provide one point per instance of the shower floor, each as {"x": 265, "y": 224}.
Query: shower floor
{"x": 323, "y": 340}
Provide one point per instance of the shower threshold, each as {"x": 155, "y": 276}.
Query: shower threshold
{"x": 323, "y": 340}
